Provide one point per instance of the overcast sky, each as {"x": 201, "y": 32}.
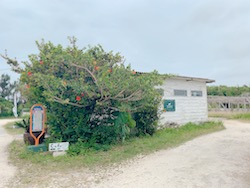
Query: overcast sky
{"x": 198, "y": 38}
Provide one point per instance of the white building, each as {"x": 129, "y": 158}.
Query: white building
{"x": 184, "y": 100}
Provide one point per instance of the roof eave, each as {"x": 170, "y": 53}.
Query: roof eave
{"x": 194, "y": 79}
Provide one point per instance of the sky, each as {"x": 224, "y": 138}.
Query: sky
{"x": 207, "y": 39}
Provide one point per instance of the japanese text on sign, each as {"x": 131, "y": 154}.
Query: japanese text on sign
{"x": 37, "y": 121}
{"x": 62, "y": 146}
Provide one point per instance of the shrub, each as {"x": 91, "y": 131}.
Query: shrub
{"x": 146, "y": 121}
{"x": 89, "y": 93}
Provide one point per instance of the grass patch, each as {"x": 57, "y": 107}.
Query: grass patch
{"x": 231, "y": 115}
{"x": 12, "y": 129}
{"x": 243, "y": 116}
{"x": 162, "y": 139}
{"x": 7, "y": 117}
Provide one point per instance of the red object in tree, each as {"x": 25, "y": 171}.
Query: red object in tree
{"x": 110, "y": 70}
{"x": 29, "y": 73}
{"x": 97, "y": 68}
{"x": 41, "y": 62}
{"x": 78, "y": 98}
{"x": 27, "y": 86}
{"x": 82, "y": 94}
{"x": 133, "y": 72}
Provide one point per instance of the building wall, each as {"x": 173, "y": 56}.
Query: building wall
{"x": 187, "y": 108}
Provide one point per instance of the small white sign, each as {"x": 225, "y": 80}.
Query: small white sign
{"x": 62, "y": 146}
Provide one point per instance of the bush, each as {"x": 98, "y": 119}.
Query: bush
{"x": 146, "y": 121}
{"x": 88, "y": 126}
{"x": 89, "y": 93}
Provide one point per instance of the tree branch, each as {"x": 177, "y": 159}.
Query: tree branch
{"x": 92, "y": 75}
{"x": 13, "y": 63}
{"x": 85, "y": 68}
{"x": 61, "y": 101}
{"x": 130, "y": 97}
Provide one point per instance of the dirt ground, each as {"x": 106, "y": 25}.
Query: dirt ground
{"x": 6, "y": 170}
{"x": 220, "y": 159}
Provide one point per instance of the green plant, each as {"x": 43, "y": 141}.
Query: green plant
{"x": 6, "y": 87}
{"x": 5, "y": 108}
{"x": 89, "y": 93}
{"x": 146, "y": 121}
{"x": 124, "y": 122}
{"x": 25, "y": 123}
{"x": 84, "y": 148}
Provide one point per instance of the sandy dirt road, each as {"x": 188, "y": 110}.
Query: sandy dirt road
{"x": 220, "y": 159}
{"x": 7, "y": 171}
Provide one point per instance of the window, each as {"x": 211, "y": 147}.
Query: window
{"x": 178, "y": 92}
{"x": 196, "y": 93}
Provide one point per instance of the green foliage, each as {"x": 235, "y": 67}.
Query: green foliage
{"x": 146, "y": 121}
{"x": 5, "y": 108}
{"x": 228, "y": 91}
{"x": 84, "y": 148}
{"x": 79, "y": 124}
{"x": 6, "y": 92}
{"x": 6, "y": 87}
{"x": 25, "y": 123}
{"x": 124, "y": 122}
{"x": 89, "y": 93}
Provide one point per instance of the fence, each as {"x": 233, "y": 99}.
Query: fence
{"x": 218, "y": 103}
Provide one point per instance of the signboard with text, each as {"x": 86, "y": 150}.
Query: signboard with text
{"x": 37, "y": 121}
{"x": 61, "y": 146}
{"x": 37, "y": 118}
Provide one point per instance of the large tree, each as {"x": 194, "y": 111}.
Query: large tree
{"x": 6, "y": 87}
{"x": 86, "y": 89}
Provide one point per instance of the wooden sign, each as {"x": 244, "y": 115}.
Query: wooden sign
{"x": 37, "y": 121}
